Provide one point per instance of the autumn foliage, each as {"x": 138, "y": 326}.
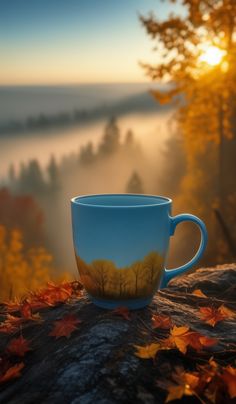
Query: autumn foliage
{"x": 207, "y": 379}
{"x": 204, "y": 92}
{"x": 209, "y": 382}
{"x": 25, "y": 310}
{"x": 101, "y": 278}
{"x": 22, "y": 269}
{"x": 22, "y": 212}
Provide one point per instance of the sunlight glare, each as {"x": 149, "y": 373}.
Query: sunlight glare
{"x": 212, "y": 55}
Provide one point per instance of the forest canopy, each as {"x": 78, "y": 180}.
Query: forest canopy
{"x": 197, "y": 55}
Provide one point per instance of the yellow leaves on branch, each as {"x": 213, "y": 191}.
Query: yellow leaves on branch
{"x": 21, "y": 269}
{"x": 212, "y": 315}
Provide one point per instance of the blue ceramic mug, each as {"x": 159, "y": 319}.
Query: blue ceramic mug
{"x": 121, "y": 243}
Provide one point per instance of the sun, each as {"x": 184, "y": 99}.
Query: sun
{"x": 212, "y": 55}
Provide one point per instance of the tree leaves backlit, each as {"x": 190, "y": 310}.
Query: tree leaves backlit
{"x": 196, "y": 55}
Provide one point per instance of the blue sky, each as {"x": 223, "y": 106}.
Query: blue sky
{"x": 75, "y": 41}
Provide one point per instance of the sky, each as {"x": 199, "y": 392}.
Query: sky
{"x": 75, "y": 41}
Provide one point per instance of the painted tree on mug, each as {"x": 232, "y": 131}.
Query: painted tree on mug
{"x": 103, "y": 279}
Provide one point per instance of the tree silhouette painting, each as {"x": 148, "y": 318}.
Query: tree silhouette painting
{"x": 102, "y": 279}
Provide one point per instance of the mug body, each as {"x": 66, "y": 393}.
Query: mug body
{"x": 121, "y": 242}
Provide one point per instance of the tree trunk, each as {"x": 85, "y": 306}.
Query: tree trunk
{"x": 97, "y": 364}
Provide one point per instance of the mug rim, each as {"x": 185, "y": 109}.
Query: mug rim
{"x": 160, "y": 200}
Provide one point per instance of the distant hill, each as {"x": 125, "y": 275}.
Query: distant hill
{"x": 106, "y": 106}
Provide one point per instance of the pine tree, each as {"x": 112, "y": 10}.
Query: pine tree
{"x": 111, "y": 138}
{"x": 53, "y": 174}
{"x": 87, "y": 154}
{"x": 129, "y": 138}
{"x": 134, "y": 185}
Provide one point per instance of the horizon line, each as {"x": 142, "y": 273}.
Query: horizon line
{"x": 76, "y": 83}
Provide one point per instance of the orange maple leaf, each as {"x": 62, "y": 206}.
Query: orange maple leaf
{"x": 212, "y": 315}
{"x": 148, "y": 351}
{"x": 182, "y": 337}
{"x": 229, "y": 377}
{"x": 122, "y": 311}
{"x": 185, "y": 384}
{"x": 18, "y": 346}
{"x": 27, "y": 313}
{"x": 55, "y": 294}
{"x": 179, "y": 338}
{"x": 199, "y": 293}
{"x": 65, "y": 326}
{"x": 12, "y": 372}
{"x": 161, "y": 321}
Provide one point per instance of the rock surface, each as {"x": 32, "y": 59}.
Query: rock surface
{"x": 97, "y": 363}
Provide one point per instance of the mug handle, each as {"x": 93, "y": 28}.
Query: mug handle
{"x": 185, "y": 217}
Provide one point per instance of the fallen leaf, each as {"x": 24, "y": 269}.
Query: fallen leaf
{"x": 160, "y": 321}
{"x": 179, "y": 338}
{"x": 11, "y": 324}
{"x": 49, "y": 296}
{"x": 207, "y": 341}
{"x": 199, "y": 293}
{"x": 54, "y": 294}
{"x": 14, "y": 320}
{"x": 65, "y": 326}
{"x": 25, "y": 309}
{"x": 7, "y": 328}
{"x": 184, "y": 385}
{"x": 18, "y": 346}
{"x": 182, "y": 337}
{"x": 208, "y": 371}
{"x": 147, "y": 351}
{"x": 212, "y": 315}
{"x": 13, "y": 305}
{"x": 12, "y": 372}
{"x": 27, "y": 313}
{"x": 229, "y": 377}
{"x": 122, "y": 311}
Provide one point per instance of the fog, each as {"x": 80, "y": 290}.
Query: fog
{"x": 83, "y": 169}
{"x": 151, "y": 130}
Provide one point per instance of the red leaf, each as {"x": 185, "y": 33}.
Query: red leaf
{"x": 160, "y": 321}
{"x": 182, "y": 337}
{"x": 123, "y": 312}
{"x": 12, "y": 372}
{"x": 65, "y": 326}
{"x": 18, "y": 346}
{"x": 229, "y": 377}
{"x": 26, "y": 310}
{"x": 212, "y": 315}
